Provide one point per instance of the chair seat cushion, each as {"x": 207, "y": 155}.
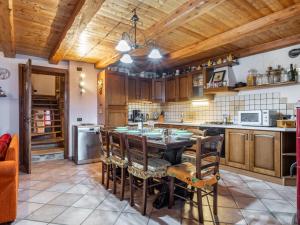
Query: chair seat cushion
{"x": 186, "y": 172}
{"x": 189, "y": 156}
{"x": 157, "y": 168}
{"x": 122, "y": 163}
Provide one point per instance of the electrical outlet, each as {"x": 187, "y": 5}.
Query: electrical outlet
{"x": 79, "y": 119}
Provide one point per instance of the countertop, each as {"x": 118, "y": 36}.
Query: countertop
{"x": 229, "y": 126}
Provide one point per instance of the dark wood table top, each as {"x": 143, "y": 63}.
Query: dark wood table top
{"x": 169, "y": 142}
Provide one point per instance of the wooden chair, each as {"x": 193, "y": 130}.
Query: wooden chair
{"x": 118, "y": 160}
{"x": 141, "y": 166}
{"x": 189, "y": 154}
{"x": 105, "y": 157}
{"x": 203, "y": 176}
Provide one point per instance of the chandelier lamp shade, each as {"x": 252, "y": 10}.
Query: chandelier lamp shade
{"x": 128, "y": 42}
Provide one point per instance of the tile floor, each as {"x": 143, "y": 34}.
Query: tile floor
{"x": 59, "y": 192}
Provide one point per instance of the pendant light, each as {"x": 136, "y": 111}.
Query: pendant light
{"x": 126, "y": 58}
{"x": 123, "y": 46}
{"x": 155, "y": 54}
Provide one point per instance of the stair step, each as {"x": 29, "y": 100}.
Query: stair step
{"x": 47, "y": 141}
{"x": 46, "y": 133}
{"x": 47, "y": 151}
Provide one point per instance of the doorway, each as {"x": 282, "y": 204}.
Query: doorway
{"x": 44, "y": 114}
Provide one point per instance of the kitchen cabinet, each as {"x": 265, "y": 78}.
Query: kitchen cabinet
{"x": 265, "y": 152}
{"x": 145, "y": 89}
{"x": 171, "y": 89}
{"x": 184, "y": 87}
{"x": 253, "y": 150}
{"x": 237, "y": 148}
{"x": 158, "y": 90}
{"x": 133, "y": 89}
{"x": 112, "y": 98}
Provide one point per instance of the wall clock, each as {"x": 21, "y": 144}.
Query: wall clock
{"x": 4, "y": 74}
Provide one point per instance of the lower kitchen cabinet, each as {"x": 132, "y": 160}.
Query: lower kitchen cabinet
{"x": 265, "y": 152}
{"x": 237, "y": 148}
{"x": 257, "y": 151}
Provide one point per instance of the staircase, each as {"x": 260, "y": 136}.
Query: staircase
{"x": 47, "y": 142}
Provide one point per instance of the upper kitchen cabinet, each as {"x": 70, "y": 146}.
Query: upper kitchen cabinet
{"x": 171, "y": 90}
{"x": 184, "y": 87}
{"x": 112, "y": 98}
{"x": 158, "y": 90}
{"x": 133, "y": 89}
{"x": 145, "y": 89}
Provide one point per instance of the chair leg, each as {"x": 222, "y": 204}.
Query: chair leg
{"x": 123, "y": 176}
{"x": 200, "y": 206}
{"x": 151, "y": 190}
{"x": 215, "y": 203}
{"x": 114, "y": 179}
{"x": 108, "y": 169}
{"x": 102, "y": 172}
{"x": 145, "y": 190}
{"x": 131, "y": 190}
{"x": 171, "y": 192}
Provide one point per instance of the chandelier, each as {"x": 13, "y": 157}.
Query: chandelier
{"x": 128, "y": 42}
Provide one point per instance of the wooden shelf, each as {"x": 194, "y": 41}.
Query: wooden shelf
{"x": 218, "y": 90}
{"x": 223, "y": 65}
{"x": 289, "y": 154}
{"x": 266, "y": 86}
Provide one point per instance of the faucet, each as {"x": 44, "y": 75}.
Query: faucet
{"x": 181, "y": 117}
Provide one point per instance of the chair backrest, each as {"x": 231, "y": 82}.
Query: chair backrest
{"x": 104, "y": 142}
{"x": 117, "y": 145}
{"x": 208, "y": 162}
{"x": 198, "y": 132}
{"x": 136, "y": 148}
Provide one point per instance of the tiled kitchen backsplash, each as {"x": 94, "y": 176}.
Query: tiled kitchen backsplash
{"x": 217, "y": 108}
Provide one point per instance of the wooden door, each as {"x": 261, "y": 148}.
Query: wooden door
{"x": 158, "y": 90}
{"x": 184, "y": 87}
{"x": 170, "y": 89}
{"x": 116, "y": 90}
{"x": 265, "y": 152}
{"x": 27, "y": 118}
{"x": 237, "y": 148}
{"x": 145, "y": 86}
{"x": 133, "y": 89}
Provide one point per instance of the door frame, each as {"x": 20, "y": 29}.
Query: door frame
{"x": 42, "y": 70}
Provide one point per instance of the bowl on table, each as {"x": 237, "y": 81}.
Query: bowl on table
{"x": 184, "y": 135}
{"x": 153, "y": 135}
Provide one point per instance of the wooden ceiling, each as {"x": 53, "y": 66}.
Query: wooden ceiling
{"x": 185, "y": 31}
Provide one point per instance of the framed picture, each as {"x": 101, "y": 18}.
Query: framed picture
{"x": 218, "y": 76}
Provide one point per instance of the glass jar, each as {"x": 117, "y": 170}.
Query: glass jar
{"x": 284, "y": 76}
{"x": 259, "y": 79}
{"x": 251, "y": 78}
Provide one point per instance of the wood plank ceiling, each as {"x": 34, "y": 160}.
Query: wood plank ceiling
{"x": 185, "y": 31}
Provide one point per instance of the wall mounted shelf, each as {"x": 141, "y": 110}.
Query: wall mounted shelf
{"x": 223, "y": 65}
{"x": 247, "y": 88}
{"x": 219, "y": 90}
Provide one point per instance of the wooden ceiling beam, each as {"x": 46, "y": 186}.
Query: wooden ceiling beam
{"x": 82, "y": 14}
{"x": 237, "y": 33}
{"x": 7, "y": 34}
{"x": 182, "y": 15}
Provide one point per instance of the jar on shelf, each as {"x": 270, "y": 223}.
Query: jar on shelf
{"x": 259, "y": 79}
{"x": 284, "y": 76}
{"x": 265, "y": 79}
{"x": 251, "y": 78}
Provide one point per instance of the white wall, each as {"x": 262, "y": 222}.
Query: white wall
{"x": 43, "y": 84}
{"x": 261, "y": 62}
{"x": 82, "y": 106}
{"x": 9, "y": 107}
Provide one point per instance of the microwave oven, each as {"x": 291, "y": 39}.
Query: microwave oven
{"x": 265, "y": 118}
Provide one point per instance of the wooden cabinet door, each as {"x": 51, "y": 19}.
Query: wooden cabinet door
{"x": 184, "y": 87}
{"x": 170, "y": 89}
{"x": 117, "y": 117}
{"x": 145, "y": 86}
{"x": 265, "y": 152}
{"x": 237, "y": 148}
{"x": 116, "y": 89}
{"x": 158, "y": 90}
{"x": 133, "y": 90}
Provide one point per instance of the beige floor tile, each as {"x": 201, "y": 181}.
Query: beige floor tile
{"x": 231, "y": 216}
{"x": 278, "y": 206}
{"x": 72, "y": 216}
{"x": 26, "y": 208}
{"x": 112, "y": 204}
{"x": 28, "y": 222}
{"x": 65, "y": 199}
{"x": 257, "y": 185}
{"x": 195, "y": 222}
{"x": 267, "y": 194}
{"x": 89, "y": 201}
{"x": 164, "y": 219}
{"x": 60, "y": 187}
{"x": 100, "y": 217}
{"x": 80, "y": 189}
{"x": 132, "y": 219}
{"x": 42, "y": 185}
{"x": 250, "y": 203}
{"x": 26, "y": 194}
{"x": 44, "y": 197}
{"x": 224, "y": 201}
{"x": 242, "y": 192}
{"x": 189, "y": 212}
{"x": 26, "y": 184}
{"x": 285, "y": 218}
{"x": 46, "y": 213}
{"x": 254, "y": 217}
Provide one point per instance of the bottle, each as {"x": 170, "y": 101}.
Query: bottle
{"x": 292, "y": 73}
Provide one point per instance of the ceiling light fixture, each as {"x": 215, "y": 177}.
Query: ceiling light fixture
{"x": 129, "y": 42}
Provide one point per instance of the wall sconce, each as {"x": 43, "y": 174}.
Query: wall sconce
{"x": 200, "y": 102}
{"x": 81, "y": 80}
{"x": 100, "y": 86}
